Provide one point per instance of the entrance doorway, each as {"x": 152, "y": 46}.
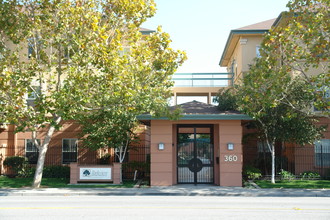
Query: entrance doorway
{"x": 195, "y": 160}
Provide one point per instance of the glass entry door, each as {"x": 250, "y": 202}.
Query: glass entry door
{"x": 195, "y": 154}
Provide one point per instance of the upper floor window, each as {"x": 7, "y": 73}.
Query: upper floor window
{"x": 31, "y": 151}
{"x": 322, "y": 153}
{"x": 325, "y": 93}
{"x": 125, "y": 51}
{"x": 233, "y": 66}
{"x": 33, "y": 92}
{"x": 69, "y": 150}
{"x": 258, "y": 51}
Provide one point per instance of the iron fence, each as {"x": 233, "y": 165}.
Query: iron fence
{"x": 296, "y": 160}
{"x": 135, "y": 165}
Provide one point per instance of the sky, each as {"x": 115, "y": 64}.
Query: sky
{"x": 201, "y": 27}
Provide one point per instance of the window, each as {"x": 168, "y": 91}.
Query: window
{"x": 33, "y": 92}
{"x": 258, "y": 51}
{"x": 69, "y": 150}
{"x": 34, "y": 45}
{"x": 31, "y": 151}
{"x": 325, "y": 93}
{"x": 232, "y": 68}
{"x": 322, "y": 153}
{"x": 125, "y": 51}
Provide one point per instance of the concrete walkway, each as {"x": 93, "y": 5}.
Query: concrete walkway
{"x": 177, "y": 190}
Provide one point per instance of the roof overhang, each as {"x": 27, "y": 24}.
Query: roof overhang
{"x": 145, "y": 117}
{"x": 232, "y": 41}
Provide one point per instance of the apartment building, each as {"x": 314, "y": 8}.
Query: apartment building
{"x": 205, "y": 146}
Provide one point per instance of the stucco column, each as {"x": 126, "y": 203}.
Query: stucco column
{"x": 117, "y": 173}
{"x": 209, "y": 98}
{"x": 74, "y": 173}
{"x": 175, "y": 99}
{"x": 161, "y": 167}
{"x": 231, "y": 161}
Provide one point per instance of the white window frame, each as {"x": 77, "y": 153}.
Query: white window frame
{"x": 258, "y": 51}
{"x": 34, "y": 93}
{"x": 30, "y": 141}
{"x": 26, "y": 141}
{"x": 70, "y": 149}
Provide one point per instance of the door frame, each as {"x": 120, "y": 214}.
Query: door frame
{"x": 211, "y": 126}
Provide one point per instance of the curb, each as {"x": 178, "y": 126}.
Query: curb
{"x": 169, "y": 192}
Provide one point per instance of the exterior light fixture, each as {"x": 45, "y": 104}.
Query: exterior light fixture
{"x": 161, "y": 146}
{"x": 230, "y": 146}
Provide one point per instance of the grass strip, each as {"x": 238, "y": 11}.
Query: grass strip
{"x": 6, "y": 182}
{"x": 296, "y": 184}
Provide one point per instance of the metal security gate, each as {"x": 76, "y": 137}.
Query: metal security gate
{"x": 195, "y": 154}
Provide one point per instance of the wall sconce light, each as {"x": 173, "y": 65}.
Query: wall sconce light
{"x": 161, "y": 146}
{"x": 230, "y": 146}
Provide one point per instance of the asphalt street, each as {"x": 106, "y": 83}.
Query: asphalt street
{"x": 162, "y": 207}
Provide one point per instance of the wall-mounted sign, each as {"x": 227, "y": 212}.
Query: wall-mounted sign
{"x": 94, "y": 173}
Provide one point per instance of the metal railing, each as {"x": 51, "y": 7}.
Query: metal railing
{"x": 202, "y": 79}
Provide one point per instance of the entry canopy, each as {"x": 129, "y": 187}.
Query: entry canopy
{"x": 200, "y": 111}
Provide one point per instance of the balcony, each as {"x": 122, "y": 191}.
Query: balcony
{"x": 202, "y": 79}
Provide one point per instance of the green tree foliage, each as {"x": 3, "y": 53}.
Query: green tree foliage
{"x": 227, "y": 99}
{"x": 278, "y": 92}
{"x": 300, "y": 44}
{"x": 265, "y": 96}
{"x": 78, "y": 56}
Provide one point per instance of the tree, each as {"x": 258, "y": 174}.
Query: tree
{"x": 260, "y": 97}
{"x": 300, "y": 43}
{"x": 279, "y": 92}
{"x": 83, "y": 55}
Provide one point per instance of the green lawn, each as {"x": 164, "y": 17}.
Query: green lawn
{"x": 6, "y": 182}
{"x": 305, "y": 184}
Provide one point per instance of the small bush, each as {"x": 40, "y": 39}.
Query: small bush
{"x": 286, "y": 175}
{"x": 56, "y": 172}
{"x": 105, "y": 159}
{"x": 51, "y": 172}
{"x": 17, "y": 163}
{"x": 310, "y": 175}
{"x": 251, "y": 172}
{"x": 327, "y": 174}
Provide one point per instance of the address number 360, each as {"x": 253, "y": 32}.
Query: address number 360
{"x": 231, "y": 158}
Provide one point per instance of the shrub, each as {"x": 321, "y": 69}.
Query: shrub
{"x": 310, "y": 175}
{"x": 17, "y": 163}
{"x": 56, "y": 172}
{"x": 51, "y": 172}
{"x": 251, "y": 172}
{"x": 286, "y": 175}
{"x": 105, "y": 159}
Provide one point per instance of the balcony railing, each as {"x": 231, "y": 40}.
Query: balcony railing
{"x": 202, "y": 79}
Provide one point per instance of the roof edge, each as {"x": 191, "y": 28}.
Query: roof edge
{"x": 199, "y": 117}
{"x": 238, "y": 32}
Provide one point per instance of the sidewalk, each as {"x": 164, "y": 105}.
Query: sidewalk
{"x": 177, "y": 190}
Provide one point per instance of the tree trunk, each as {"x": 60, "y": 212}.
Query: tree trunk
{"x": 273, "y": 162}
{"x": 42, "y": 155}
